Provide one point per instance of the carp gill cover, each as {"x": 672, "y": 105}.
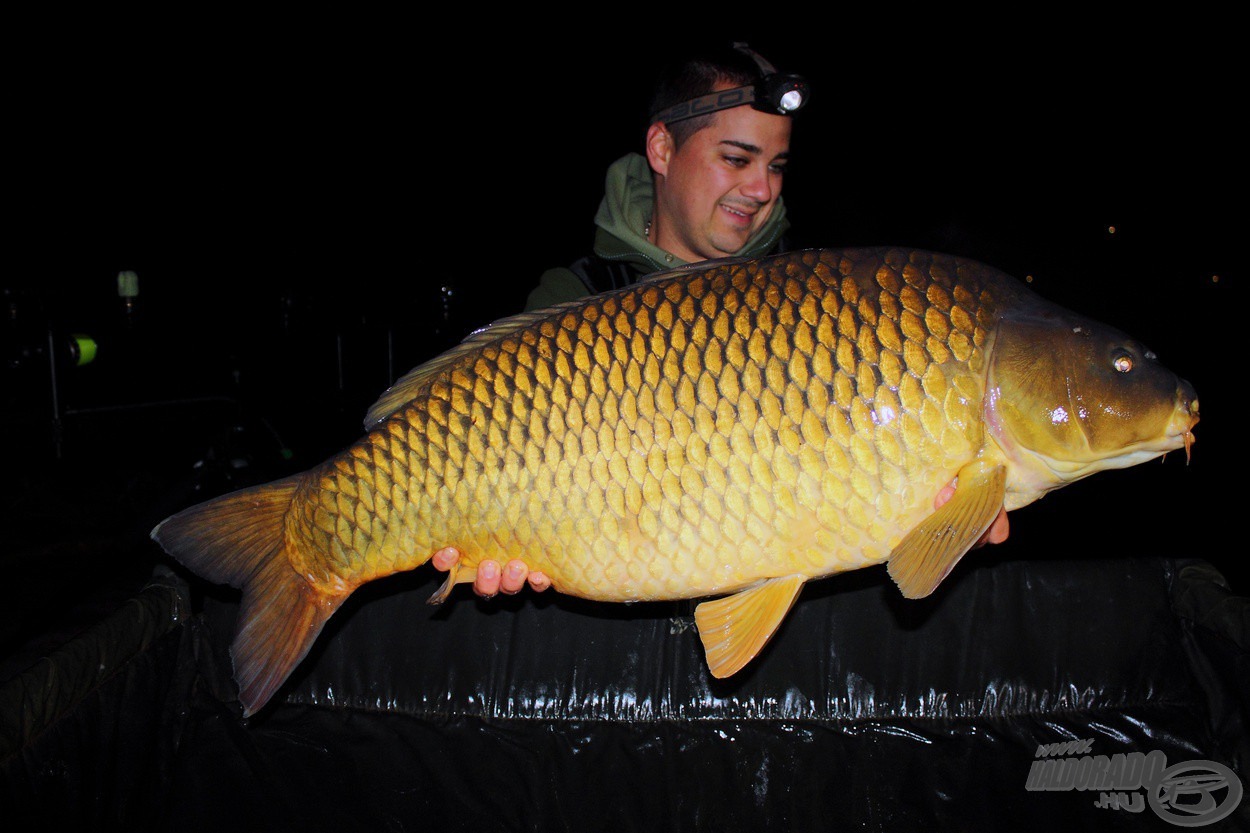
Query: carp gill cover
{"x": 732, "y": 429}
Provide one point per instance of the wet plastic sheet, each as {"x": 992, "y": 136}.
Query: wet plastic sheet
{"x": 866, "y": 712}
{"x": 87, "y": 734}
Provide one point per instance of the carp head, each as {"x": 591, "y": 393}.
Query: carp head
{"x": 1067, "y": 397}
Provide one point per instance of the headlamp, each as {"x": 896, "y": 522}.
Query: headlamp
{"x": 773, "y": 93}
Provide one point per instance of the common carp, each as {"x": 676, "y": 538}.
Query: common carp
{"x": 732, "y": 429}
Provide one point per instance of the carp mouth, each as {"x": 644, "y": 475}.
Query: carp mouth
{"x": 1185, "y": 417}
{"x": 1178, "y": 434}
{"x": 1180, "y": 428}
{"x": 1038, "y": 472}
{"x": 1189, "y": 443}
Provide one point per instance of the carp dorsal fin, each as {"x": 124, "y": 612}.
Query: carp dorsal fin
{"x": 697, "y": 266}
{"x": 408, "y": 385}
{"x": 736, "y": 628}
{"x": 930, "y": 551}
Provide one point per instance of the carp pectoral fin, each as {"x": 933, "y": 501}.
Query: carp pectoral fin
{"x": 931, "y": 550}
{"x": 736, "y": 628}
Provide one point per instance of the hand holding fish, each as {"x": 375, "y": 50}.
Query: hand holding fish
{"x": 999, "y": 528}
{"x": 516, "y": 573}
{"x": 489, "y": 579}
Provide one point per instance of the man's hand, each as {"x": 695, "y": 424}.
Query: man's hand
{"x": 490, "y": 580}
{"x": 996, "y": 534}
{"x": 516, "y": 573}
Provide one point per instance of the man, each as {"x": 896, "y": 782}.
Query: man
{"x": 708, "y": 187}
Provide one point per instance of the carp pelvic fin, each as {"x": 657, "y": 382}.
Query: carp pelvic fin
{"x": 736, "y": 628}
{"x": 457, "y": 574}
{"x": 239, "y": 539}
{"x": 931, "y": 550}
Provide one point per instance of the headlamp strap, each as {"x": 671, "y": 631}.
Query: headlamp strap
{"x": 760, "y": 61}
{"x": 772, "y": 93}
{"x": 710, "y": 103}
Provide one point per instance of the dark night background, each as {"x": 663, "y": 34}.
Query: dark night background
{"x": 315, "y": 206}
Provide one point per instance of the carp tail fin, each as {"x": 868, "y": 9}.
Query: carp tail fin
{"x": 239, "y": 539}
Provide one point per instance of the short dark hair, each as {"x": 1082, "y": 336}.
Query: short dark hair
{"x": 697, "y": 73}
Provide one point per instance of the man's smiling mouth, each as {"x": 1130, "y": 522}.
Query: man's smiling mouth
{"x": 745, "y": 216}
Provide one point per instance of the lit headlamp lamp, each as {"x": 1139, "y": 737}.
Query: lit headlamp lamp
{"x": 773, "y": 93}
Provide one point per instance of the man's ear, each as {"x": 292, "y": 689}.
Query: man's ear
{"x": 659, "y": 148}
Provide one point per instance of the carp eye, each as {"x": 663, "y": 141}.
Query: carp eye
{"x": 1123, "y": 364}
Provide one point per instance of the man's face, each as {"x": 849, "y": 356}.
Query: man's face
{"x": 721, "y": 185}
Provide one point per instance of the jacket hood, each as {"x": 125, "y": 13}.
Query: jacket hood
{"x": 626, "y": 207}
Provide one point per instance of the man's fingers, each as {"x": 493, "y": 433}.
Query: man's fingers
{"x": 486, "y": 583}
{"x": 490, "y": 579}
{"x": 445, "y": 558}
{"x": 999, "y": 529}
{"x": 514, "y": 575}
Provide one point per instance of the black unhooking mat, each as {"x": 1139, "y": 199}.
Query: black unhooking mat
{"x": 1029, "y": 696}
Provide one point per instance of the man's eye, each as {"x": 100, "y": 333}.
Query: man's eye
{"x": 777, "y": 169}
{"x": 736, "y": 161}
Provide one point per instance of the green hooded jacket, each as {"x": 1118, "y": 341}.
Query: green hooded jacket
{"x": 620, "y": 221}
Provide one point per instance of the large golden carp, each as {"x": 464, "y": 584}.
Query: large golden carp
{"x": 731, "y": 429}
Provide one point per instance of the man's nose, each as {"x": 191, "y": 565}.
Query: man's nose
{"x": 761, "y": 184}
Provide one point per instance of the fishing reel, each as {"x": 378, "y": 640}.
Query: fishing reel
{"x": 28, "y": 340}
